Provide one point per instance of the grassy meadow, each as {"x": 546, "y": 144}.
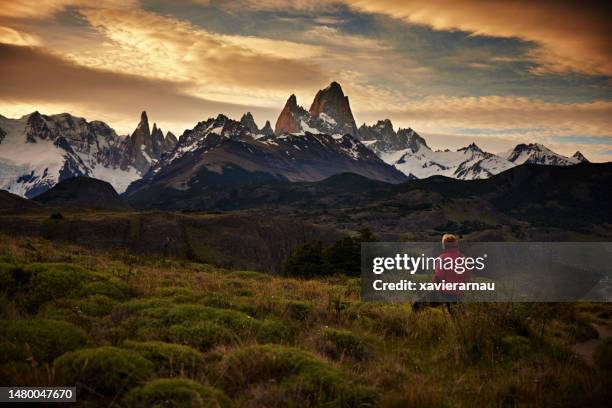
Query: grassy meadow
{"x": 147, "y": 331}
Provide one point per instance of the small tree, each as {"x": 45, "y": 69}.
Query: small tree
{"x": 341, "y": 257}
{"x": 306, "y": 262}
{"x": 344, "y": 256}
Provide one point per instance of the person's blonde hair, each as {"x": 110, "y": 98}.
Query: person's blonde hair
{"x": 449, "y": 241}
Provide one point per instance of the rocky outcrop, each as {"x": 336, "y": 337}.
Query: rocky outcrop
{"x": 381, "y": 137}
{"x": 267, "y": 129}
{"x": 579, "y": 157}
{"x": 248, "y": 121}
{"x": 169, "y": 142}
{"x": 291, "y": 117}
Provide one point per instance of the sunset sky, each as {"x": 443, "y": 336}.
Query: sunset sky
{"x": 497, "y": 73}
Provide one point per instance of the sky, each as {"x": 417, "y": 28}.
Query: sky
{"x": 496, "y": 73}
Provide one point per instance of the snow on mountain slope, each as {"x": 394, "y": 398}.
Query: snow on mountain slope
{"x": 409, "y": 152}
{"x": 467, "y": 163}
{"x": 536, "y": 153}
{"x": 38, "y": 151}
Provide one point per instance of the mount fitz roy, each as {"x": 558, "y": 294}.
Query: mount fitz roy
{"x": 38, "y": 151}
{"x": 330, "y": 113}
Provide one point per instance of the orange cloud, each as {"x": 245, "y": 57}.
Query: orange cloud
{"x": 571, "y": 36}
{"x": 11, "y": 36}
{"x": 152, "y": 45}
{"x": 41, "y": 9}
{"x": 514, "y": 117}
{"x": 33, "y": 78}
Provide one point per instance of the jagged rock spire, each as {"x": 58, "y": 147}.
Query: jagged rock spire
{"x": 248, "y": 121}
{"x": 267, "y": 129}
{"x": 335, "y": 106}
{"x": 289, "y": 120}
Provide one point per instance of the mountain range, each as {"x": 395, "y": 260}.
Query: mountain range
{"x": 37, "y": 151}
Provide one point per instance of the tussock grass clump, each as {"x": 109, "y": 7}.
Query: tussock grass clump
{"x": 389, "y": 320}
{"x": 603, "y": 354}
{"x": 430, "y": 326}
{"x": 7, "y": 281}
{"x": 104, "y": 370}
{"x": 341, "y": 344}
{"x": 515, "y": 345}
{"x": 169, "y": 359}
{"x": 297, "y": 310}
{"x": 28, "y": 374}
{"x": 174, "y": 392}
{"x": 302, "y": 378}
{"x": 41, "y": 340}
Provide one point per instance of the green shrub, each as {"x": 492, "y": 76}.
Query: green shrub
{"x": 305, "y": 378}
{"x": 113, "y": 288}
{"x": 41, "y": 339}
{"x": 179, "y": 295}
{"x": 341, "y": 257}
{"x": 169, "y": 359}
{"x": 52, "y": 281}
{"x": 141, "y": 304}
{"x": 105, "y": 370}
{"x": 65, "y": 311}
{"x": 204, "y": 326}
{"x": 603, "y": 354}
{"x": 168, "y": 393}
{"x": 338, "y": 344}
{"x": 96, "y": 305}
{"x": 344, "y": 255}
{"x": 273, "y": 331}
{"x": 232, "y": 319}
{"x": 307, "y": 261}
{"x": 203, "y": 335}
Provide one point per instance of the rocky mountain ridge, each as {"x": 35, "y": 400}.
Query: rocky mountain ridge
{"x": 409, "y": 152}
{"x": 37, "y": 151}
{"x": 222, "y": 152}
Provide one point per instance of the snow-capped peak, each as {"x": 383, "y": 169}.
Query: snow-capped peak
{"x": 536, "y": 153}
{"x": 472, "y": 147}
{"x": 579, "y": 157}
{"x": 40, "y": 150}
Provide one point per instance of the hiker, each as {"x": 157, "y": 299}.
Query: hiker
{"x": 450, "y": 249}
